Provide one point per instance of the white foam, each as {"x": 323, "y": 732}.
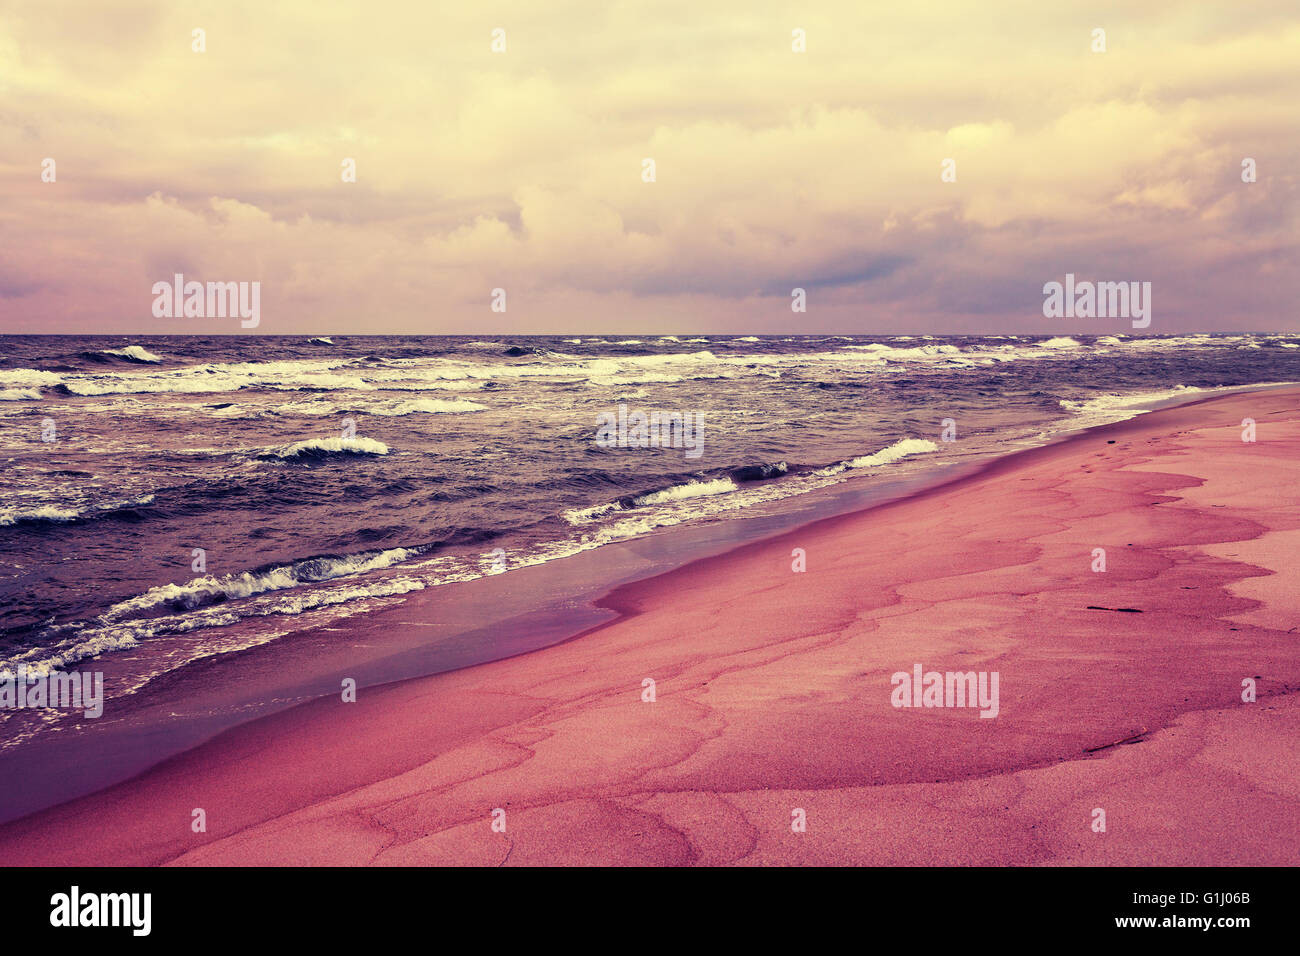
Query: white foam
{"x": 28, "y": 376}
{"x": 207, "y": 589}
{"x": 11, "y": 516}
{"x": 891, "y": 453}
{"x": 103, "y": 636}
{"x": 692, "y": 489}
{"x": 917, "y": 353}
{"x": 355, "y": 446}
{"x": 67, "y": 654}
{"x": 318, "y": 407}
{"x": 1120, "y": 407}
{"x": 431, "y": 406}
{"x": 57, "y": 514}
{"x": 136, "y": 353}
{"x": 215, "y": 378}
{"x": 442, "y": 372}
{"x": 580, "y": 516}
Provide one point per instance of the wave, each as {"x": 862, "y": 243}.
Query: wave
{"x": 211, "y": 602}
{"x": 700, "y": 488}
{"x": 425, "y": 373}
{"x": 234, "y": 410}
{"x": 320, "y": 447}
{"x": 578, "y": 516}
{"x": 19, "y": 395}
{"x": 45, "y": 513}
{"x": 692, "y": 489}
{"x": 750, "y": 484}
{"x": 1119, "y": 407}
{"x": 320, "y": 340}
{"x": 18, "y": 377}
{"x": 102, "y": 637}
{"x": 53, "y": 514}
{"x": 133, "y": 353}
{"x": 892, "y": 453}
{"x": 897, "y": 354}
{"x": 398, "y": 408}
{"x": 898, "y": 450}
{"x": 430, "y": 405}
{"x": 200, "y": 592}
{"x": 41, "y": 660}
{"x": 211, "y": 378}
{"x": 108, "y": 386}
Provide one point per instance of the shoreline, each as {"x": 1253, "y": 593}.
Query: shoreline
{"x": 497, "y": 733}
{"x": 428, "y": 633}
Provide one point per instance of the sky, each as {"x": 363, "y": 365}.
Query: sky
{"x": 523, "y": 168}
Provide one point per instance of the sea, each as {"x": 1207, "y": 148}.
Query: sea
{"x": 180, "y": 498}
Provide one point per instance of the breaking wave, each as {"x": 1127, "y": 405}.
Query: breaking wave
{"x": 206, "y": 590}
{"x": 321, "y": 447}
{"x": 133, "y": 353}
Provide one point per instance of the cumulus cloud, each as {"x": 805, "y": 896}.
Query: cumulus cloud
{"x": 523, "y": 169}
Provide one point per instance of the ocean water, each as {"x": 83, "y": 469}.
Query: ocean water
{"x": 324, "y": 478}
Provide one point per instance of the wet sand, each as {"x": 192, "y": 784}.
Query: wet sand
{"x": 773, "y": 694}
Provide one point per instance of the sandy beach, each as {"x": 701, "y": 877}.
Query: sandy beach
{"x": 1120, "y": 690}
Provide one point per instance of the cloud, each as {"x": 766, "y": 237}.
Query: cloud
{"x": 523, "y": 169}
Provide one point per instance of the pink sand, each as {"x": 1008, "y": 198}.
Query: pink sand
{"x": 773, "y": 694}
